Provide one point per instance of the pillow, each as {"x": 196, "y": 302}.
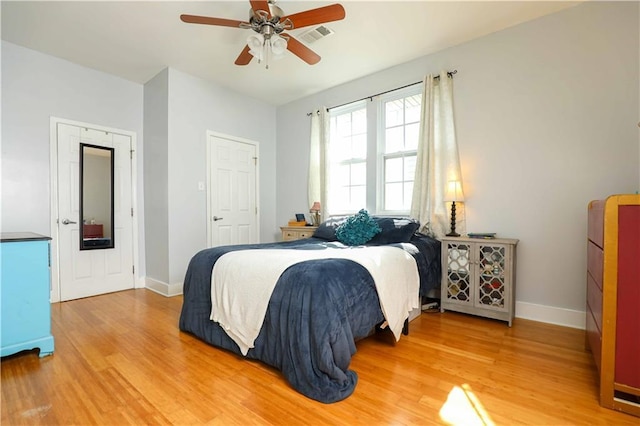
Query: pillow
{"x": 327, "y": 229}
{"x": 357, "y": 229}
{"x": 394, "y": 230}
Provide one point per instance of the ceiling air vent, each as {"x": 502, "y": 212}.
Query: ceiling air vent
{"x": 315, "y": 34}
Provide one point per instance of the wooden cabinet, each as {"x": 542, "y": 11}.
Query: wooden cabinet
{"x": 478, "y": 277}
{"x": 25, "y": 293}
{"x": 290, "y": 233}
{"x": 613, "y": 299}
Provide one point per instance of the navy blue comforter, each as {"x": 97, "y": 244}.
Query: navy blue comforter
{"x": 317, "y": 311}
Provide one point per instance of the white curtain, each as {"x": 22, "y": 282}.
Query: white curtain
{"x": 318, "y": 180}
{"x": 437, "y": 161}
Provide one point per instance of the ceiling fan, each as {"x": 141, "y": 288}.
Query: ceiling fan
{"x": 270, "y": 22}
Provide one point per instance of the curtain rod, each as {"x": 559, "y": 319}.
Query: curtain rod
{"x": 370, "y": 97}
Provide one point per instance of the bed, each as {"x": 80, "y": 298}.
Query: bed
{"x": 318, "y": 308}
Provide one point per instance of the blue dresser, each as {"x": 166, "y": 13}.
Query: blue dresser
{"x": 25, "y": 292}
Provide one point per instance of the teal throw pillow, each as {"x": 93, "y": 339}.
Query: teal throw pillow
{"x": 357, "y": 229}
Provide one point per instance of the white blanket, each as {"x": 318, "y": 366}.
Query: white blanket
{"x": 242, "y": 283}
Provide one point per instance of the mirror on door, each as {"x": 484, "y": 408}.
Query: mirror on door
{"x": 96, "y": 197}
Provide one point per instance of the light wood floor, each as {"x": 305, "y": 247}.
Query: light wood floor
{"x": 120, "y": 359}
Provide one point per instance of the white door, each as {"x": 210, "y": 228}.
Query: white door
{"x": 93, "y": 270}
{"x": 233, "y": 209}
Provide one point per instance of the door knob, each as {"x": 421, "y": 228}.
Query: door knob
{"x": 216, "y": 218}
{"x": 67, "y": 221}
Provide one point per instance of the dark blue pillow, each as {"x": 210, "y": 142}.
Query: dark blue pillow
{"x": 327, "y": 229}
{"x": 394, "y": 230}
{"x": 357, "y": 229}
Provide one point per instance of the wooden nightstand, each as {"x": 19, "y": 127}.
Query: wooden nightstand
{"x": 290, "y": 233}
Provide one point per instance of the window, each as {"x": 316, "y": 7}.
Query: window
{"x": 372, "y": 153}
{"x": 348, "y": 159}
{"x": 401, "y": 128}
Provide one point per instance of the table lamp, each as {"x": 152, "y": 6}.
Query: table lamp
{"x": 453, "y": 193}
{"x": 315, "y": 213}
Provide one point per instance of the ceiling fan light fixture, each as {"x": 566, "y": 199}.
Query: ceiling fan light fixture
{"x": 266, "y": 48}
{"x": 278, "y": 45}
{"x": 256, "y": 45}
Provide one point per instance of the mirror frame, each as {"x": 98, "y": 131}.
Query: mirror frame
{"x": 112, "y": 198}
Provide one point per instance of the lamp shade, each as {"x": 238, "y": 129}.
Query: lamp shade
{"x": 315, "y": 207}
{"x": 278, "y": 45}
{"x": 453, "y": 191}
{"x": 256, "y": 43}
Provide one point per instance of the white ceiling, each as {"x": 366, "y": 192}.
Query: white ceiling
{"x": 137, "y": 39}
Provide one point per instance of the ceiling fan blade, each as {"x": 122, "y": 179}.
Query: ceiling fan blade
{"x": 257, "y": 5}
{"x": 193, "y": 19}
{"x": 302, "y": 51}
{"x": 245, "y": 57}
{"x": 334, "y": 12}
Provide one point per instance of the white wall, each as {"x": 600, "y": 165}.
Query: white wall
{"x": 156, "y": 176}
{"x": 546, "y": 117}
{"x": 36, "y": 87}
{"x": 195, "y": 106}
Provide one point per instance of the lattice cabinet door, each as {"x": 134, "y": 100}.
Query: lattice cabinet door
{"x": 492, "y": 293}
{"x": 457, "y": 286}
{"x": 478, "y": 277}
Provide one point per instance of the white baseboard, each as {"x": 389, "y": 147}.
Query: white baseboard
{"x": 162, "y": 288}
{"x": 139, "y": 282}
{"x": 551, "y": 315}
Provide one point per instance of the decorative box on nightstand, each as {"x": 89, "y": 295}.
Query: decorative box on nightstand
{"x": 478, "y": 277}
{"x": 290, "y": 233}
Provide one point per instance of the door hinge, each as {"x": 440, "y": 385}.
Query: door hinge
{"x": 255, "y": 161}
{"x": 133, "y": 269}
{"x": 131, "y": 154}
{"x": 131, "y": 211}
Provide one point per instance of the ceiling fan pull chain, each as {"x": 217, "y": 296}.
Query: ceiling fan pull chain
{"x": 267, "y": 52}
